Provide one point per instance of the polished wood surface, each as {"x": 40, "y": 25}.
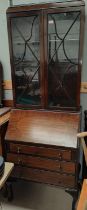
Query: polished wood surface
{"x": 43, "y": 146}
{"x": 45, "y": 176}
{"x": 82, "y": 204}
{"x": 42, "y": 163}
{"x": 46, "y": 164}
{"x": 50, "y": 152}
{"x": 44, "y": 127}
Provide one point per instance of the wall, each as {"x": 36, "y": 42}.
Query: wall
{"x": 4, "y": 50}
{"x": 17, "y": 2}
{"x": 84, "y": 70}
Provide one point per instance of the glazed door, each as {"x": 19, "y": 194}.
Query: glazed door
{"x": 63, "y": 70}
{"x": 26, "y": 59}
{"x": 46, "y": 57}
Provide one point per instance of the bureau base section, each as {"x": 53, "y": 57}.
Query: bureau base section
{"x": 42, "y": 176}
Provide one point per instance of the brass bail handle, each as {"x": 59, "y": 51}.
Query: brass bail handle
{"x": 81, "y": 136}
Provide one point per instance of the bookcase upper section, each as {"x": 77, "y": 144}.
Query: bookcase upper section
{"x": 45, "y": 42}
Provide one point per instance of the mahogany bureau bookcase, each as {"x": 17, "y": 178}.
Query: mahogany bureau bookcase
{"x": 45, "y": 43}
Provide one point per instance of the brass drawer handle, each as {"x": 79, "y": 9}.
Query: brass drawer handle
{"x": 59, "y": 167}
{"x": 18, "y": 150}
{"x": 60, "y": 156}
{"x": 19, "y": 161}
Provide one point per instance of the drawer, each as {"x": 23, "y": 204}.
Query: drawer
{"x": 42, "y": 176}
{"x": 59, "y": 153}
{"x": 42, "y": 163}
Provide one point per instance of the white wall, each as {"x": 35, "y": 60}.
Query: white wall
{"x": 17, "y": 2}
{"x": 4, "y": 50}
{"x": 84, "y": 69}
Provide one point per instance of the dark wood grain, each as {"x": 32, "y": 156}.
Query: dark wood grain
{"x": 33, "y": 139}
{"x": 56, "y": 153}
{"x": 42, "y": 163}
{"x": 43, "y": 127}
{"x": 47, "y": 177}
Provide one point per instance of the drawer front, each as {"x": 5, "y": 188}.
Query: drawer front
{"x": 60, "y": 154}
{"x": 42, "y": 176}
{"x": 42, "y": 163}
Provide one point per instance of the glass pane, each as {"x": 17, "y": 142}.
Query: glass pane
{"x": 25, "y": 37}
{"x": 63, "y": 51}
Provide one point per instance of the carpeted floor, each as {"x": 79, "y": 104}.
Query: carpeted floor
{"x": 33, "y": 196}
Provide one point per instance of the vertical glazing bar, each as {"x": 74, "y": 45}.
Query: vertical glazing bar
{"x": 46, "y": 58}
{"x": 82, "y": 22}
